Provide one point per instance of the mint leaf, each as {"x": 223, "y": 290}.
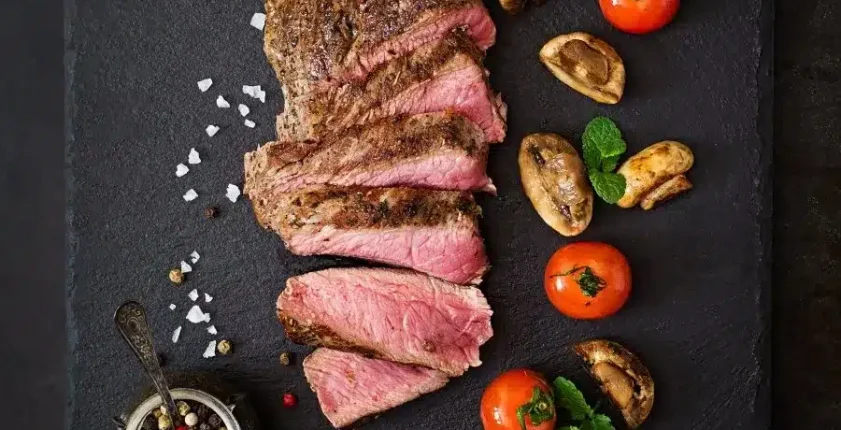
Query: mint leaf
{"x": 609, "y": 163}
{"x": 609, "y": 186}
{"x": 568, "y": 397}
{"x": 592, "y": 157}
{"x": 597, "y": 422}
{"x": 602, "y": 133}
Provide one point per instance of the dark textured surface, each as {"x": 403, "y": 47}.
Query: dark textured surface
{"x": 697, "y": 315}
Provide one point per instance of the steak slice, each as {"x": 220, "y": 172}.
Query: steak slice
{"x": 316, "y": 41}
{"x": 445, "y": 75}
{"x": 434, "y": 232}
{"x": 350, "y": 387}
{"x": 439, "y": 151}
{"x": 390, "y": 314}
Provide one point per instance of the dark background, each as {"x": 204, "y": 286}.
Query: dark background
{"x": 807, "y": 192}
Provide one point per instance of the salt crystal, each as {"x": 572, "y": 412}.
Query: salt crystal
{"x": 186, "y": 268}
{"x": 212, "y": 330}
{"x": 205, "y": 84}
{"x": 195, "y": 315}
{"x": 222, "y": 103}
{"x": 251, "y": 90}
{"x": 181, "y": 170}
{"x": 249, "y": 123}
{"x": 258, "y": 21}
{"x": 208, "y": 298}
{"x": 232, "y": 193}
{"x": 262, "y": 96}
{"x": 172, "y": 306}
{"x": 190, "y": 195}
{"x": 193, "y": 157}
{"x": 193, "y": 295}
{"x": 210, "y": 351}
{"x": 211, "y": 130}
{"x": 194, "y": 256}
{"x": 243, "y": 109}
{"x": 176, "y": 334}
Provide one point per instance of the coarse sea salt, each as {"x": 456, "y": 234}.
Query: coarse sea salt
{"x": 181, "y": 170}
{"x": 193, "y": 156}
{"x": 172, "y": 306}
{"x": 243, "y": 109}
{"x": 176, "y": 334}
{"x": 222, "y": 103}
{"x": 255, "y": 92}
{"x": 194, "y": 256}
{"x": 211, "y": 130}
{"x": 258, "y": 21}
{"x": 210, "y": 351}
{"x": 232, "y": 193}
{"x": 193, "y": 295}
{"x": 190, "y": 195}
{"x": 195, "y": 315}
{"x": 208, "y": 298}
{"x": 249, "y": 123}
{"x": 185, "y": 267}
{"x": 205, "y": 84}
{"x": 212, "y": 330}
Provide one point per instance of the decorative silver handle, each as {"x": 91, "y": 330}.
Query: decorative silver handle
{"x": 131, "y": 322}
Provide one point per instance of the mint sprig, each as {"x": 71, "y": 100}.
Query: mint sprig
{"x": 602, "y": 147}
{"x": 569, "y": 397}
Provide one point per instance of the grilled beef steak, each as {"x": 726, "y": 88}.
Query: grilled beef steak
{"x": 391, "y": 314}
{"x": 350, "y": 387}
{"x": 445, "y": 75}
{"x": 434, "y": 232}
{"x": 439, "y": 151}
{"x": 317, "y": 41}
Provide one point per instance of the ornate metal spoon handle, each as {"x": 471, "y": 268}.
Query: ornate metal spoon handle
{"x": 131, "y": 321}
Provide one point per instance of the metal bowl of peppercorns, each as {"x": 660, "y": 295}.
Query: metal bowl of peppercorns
{"x": 197, "y": 409}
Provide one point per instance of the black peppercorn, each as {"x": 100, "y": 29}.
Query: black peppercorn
{"x": 202, "y": 411}
{"x": 211, "y": 212}
{"x": 214, "y": 421}
{"x": 205, "y": 426}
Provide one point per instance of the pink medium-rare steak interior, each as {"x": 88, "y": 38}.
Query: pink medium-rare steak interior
{"x": 317, "y": 41}
{"x": 350, "y": 387}
{"x": 435, "y": 232}
{"x": 437, "y": 150}
{"x": 447, "y": 75}
{"x": 392, "y": 314}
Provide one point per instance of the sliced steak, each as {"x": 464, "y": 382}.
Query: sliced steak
{"x": 439, "y": 151}
{"x": 434, "y": 232}
{"x": 321, "y": 40}
{"x": 391, "y": 314}
{"x": 445, "y": 75}
{"x": 350, "y": 387}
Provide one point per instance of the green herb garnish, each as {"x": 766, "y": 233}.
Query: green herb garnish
{"x": 589, "y": 283}
{"x": 567, "y": 396}
{"x": 602, "y": 147}
{"x": 539, "y": 409}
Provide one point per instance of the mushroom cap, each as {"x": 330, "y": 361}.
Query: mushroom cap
{"x": 587, "y": 64}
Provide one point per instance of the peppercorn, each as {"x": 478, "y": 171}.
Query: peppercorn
{"x": 214, "y": 421}
{"x": 285, "y": 358}
{"x": 289, "y": 400}
{"x": 211, "y": 212}
{"x": 176, "y": 276}
{"x": 183, "y": 408}
{"x": 191, "y": 419}
{"x": 205, "y": 426}
{"x": 164, "y": 422}
{"x": 224, "y": 347}
{"x": 157, "y": 413}
{"x": 202, "y": 411}
{"x": 182, "y": 428}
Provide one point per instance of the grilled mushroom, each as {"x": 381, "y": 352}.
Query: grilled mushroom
{"x": 656, "y": 174}
{"x": 587, "y": 64}
{"x": 554, "y": 180}
{"x": 512, "y": 6}
{"x": 622, "y": 377}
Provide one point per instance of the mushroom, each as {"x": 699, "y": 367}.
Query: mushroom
{"x": 554, "y": 180}
{"x": 512, "y": 6}
{"x": 622, "y": 377}
{"x": 587, "y": 64}
{"x": 656, "y": 174}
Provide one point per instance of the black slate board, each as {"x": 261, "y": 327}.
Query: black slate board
{"x": 698, "y": 315}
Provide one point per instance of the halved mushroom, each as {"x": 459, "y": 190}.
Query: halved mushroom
{"x": 656, "y": 174}
{"x": 512, "y": 6}
{"x": 622, "y": 377}
{"x": 587, "y": 64}
{"x": 554, "y": 180}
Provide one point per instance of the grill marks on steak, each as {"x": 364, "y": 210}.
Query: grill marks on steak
{"x": 312, "y": 41}
{"x": 439, "y": 151}
{"x": 391, "y": 314}
{"x": 447, "y": 75}
{"x": 350, "y": 387}
{"x": 434, "y": 232}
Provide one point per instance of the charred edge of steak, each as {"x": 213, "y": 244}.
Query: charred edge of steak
{"x": 362, "y": 207}
{"x": 320, "y": 336}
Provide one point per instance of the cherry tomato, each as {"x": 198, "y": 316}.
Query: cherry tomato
{"x": 588, "y": 280}
{"x": 639, "y": 16}
{"x": 513, "y": 390}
